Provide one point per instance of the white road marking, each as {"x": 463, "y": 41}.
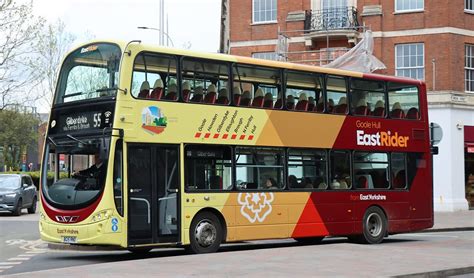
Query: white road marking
{"x": 26, "y": 255}
{"x": 6, "y": 267}
{"x": 18, "y": 259}
{"x": 35, "y": 252}
{"x": 10, "y": 263}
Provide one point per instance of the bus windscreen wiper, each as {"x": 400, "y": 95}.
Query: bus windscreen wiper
{"x": 77, "y": 140}
{"x": 52, "y": 141}
{"x": 73, "y": 95}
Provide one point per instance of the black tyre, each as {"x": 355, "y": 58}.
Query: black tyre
{"x": 374, "y": 226}
{"x": 309, "y": 240}
{"x": 18, "y": 208}
{"x": 205, "y": 233}
{"x": 32, "y": 209}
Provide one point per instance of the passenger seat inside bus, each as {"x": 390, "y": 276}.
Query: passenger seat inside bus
{"x": 198, "y": 95}
{"x": 397, "y": 111}
{"x": 290, "y": 102}
{"x": 172, "y": 92}
{"x": 341, "y": 107}
{"x": 237, "y": 95}
{"x": 320, "y": 105}
{"x": 258, "y": 99}
{"x": 311, "y": 103}
{"x": 144, "y": 90}
{"x": 211, "y": 94}
{"x": 186, "y": 91}
{"x": 223, "y": 97}
{"x": 412, "y": 114}
{"x": 379, "y": 110}
{"x": 361, "y": 108}
{"x": 246, "y": 99}
{"x": 268, "y": 101}
{"x": 302, "y": 104}
{"x": 157, "y": 92}
{"x": 279, "y": 102}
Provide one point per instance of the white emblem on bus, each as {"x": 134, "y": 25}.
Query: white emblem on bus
{"x": 255, "y": 206}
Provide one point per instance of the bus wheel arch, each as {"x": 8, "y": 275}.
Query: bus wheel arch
{"x": 207, "y": 231}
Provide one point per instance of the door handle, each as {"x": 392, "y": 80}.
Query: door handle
{"x": 135, "y": 190}
{"x": 172, "y": 190}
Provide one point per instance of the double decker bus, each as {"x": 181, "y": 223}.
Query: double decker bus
{"x": 197, "y": 149}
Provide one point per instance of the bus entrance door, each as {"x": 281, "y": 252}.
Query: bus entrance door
{"x": 153, "y": 182}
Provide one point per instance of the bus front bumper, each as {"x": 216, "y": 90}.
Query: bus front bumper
{"x": 98, "y": 233}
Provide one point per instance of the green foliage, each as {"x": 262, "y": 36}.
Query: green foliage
{"x": 17, "y": 131}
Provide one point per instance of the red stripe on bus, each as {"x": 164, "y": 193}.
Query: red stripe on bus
{"x": 225, "y": 136}
{"x": 207, "y": 135}
{"x": 198, "y": 134}
{"x": 233, "y": 136}
{"x": 250, "y": 137}
{"x": 216, "y": 135}
{"x": 242, "y": 137}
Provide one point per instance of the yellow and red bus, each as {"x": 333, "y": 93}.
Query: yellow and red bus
{"x": 196, "y": 149}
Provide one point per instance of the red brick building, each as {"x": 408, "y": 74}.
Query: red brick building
{"x": 429, "y": 40}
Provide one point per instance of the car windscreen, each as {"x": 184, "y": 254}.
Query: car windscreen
{"x": 9, "y": 182}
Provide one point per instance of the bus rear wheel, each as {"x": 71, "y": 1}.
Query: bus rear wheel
{"x": 374, "y": 226}
{"x": 205, "y": 233}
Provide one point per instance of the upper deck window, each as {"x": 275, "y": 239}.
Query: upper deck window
{"x": 257, "y": 87}
{"x": 154, "y": 77}
{"x": 303, "y": 91}
{"x": 205, "y": 81}
{"x": 336, "y": 91}
{"x": 367, "y": 98}
{"x": 89, "y": 72}
{"x": 403, "y": 101}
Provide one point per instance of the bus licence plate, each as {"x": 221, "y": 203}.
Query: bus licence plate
{"x": 69, "y": 239}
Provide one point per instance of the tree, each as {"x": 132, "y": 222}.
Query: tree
{"x": 17, "y": 131}
{"x": 19, "y": 30}
{"x": 53, "y": 44}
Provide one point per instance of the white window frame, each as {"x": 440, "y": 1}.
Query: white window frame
{"x": 397, "y": 67}
{"x": 469, "y": 6}
{"x": 264, "y": 21}
{"x": 468, "y": 68}
{"x": 408, "y": 10}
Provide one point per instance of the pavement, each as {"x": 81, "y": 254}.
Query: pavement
{"x": 453, "y": 221}
{"x": 415, "y": 258}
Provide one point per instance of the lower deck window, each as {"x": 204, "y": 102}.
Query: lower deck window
{"x": 259, "y": 168}
{"x": 208, "y": 167}
{"x": 371, "y": 170}
{"x": 340, "y": 170}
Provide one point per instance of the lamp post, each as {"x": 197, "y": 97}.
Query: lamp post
{"x": 168, "y": 38}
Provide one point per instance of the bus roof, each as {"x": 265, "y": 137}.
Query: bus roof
{"x": 256, "y": 61}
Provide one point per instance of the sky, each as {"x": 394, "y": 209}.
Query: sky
{"x": 189, "y": 21}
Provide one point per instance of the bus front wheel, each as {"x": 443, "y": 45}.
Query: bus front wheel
{"x": 374, "y": 226}
{"x": 205, "y": 233}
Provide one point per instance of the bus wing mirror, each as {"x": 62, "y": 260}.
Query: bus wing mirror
{"x": 104, "y": 149}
